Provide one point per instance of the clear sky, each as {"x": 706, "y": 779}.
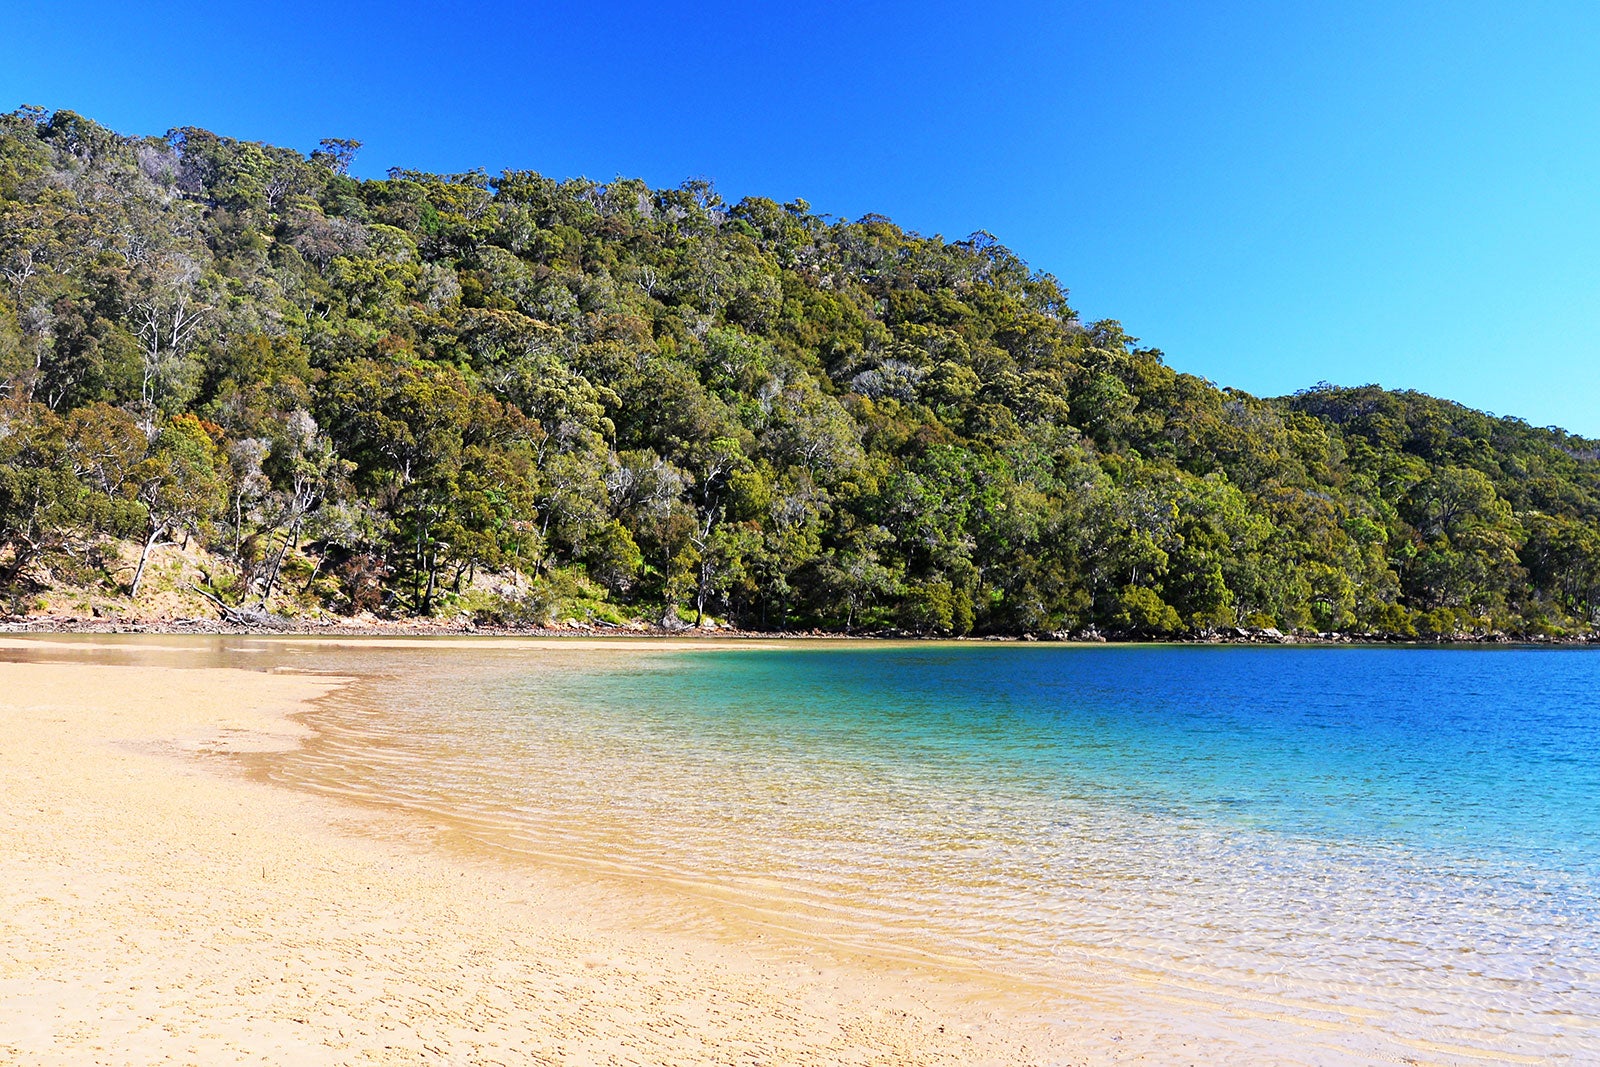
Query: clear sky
{"x": 1272, "y": 193}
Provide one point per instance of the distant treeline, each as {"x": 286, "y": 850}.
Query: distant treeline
{"x": 367, "y": 395}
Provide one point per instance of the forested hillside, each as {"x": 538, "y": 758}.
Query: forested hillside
{"x": 367, "y": 395}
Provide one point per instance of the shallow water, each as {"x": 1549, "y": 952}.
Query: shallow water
{"x": 1394, "y": 851}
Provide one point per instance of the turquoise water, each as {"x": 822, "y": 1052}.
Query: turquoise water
{"x": 1495, "y": 755}
{"x": 1339, "y": 854}
{"x": 1395, "y": 850}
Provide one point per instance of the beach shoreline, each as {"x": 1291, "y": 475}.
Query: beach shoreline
{"x": 300, "y": 627}
{"x": 160, "y": 906}
{"x": 165, "y": 896}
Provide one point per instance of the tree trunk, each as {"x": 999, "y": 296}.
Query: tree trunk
{"x": 144, "y": 557}
{"x": 277, "y": 564}
{"x": 702, "y": 592}
{"x": 433, "y": 574}
{"x": 315, "y": 570}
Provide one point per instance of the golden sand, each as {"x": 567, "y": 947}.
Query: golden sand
{"x": 156, "y": 906}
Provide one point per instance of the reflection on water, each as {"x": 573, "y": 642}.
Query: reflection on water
{"x": 1397, "y": 848}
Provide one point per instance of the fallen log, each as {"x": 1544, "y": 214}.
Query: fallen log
{"x": 252, "y": 615}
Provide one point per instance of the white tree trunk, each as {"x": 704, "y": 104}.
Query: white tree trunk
{"x": 144, "y": 557}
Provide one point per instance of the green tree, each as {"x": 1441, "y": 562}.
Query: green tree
{"x": 182, "y": 484}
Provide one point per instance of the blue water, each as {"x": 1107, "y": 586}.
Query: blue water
{"x": 1364, "y": 854}
{"x": 1481, "y": 754}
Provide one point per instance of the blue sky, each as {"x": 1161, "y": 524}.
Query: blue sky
{"x": 1274, "y": 194}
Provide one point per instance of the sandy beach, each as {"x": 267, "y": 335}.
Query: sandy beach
{"x": 169, "y": 894}
{"x": 158, "y": 907}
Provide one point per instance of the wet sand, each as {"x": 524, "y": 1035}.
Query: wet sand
{"x": 156, "y": 906}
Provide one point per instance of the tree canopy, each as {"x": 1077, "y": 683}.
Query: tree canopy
{"x": 660, "y": 402}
